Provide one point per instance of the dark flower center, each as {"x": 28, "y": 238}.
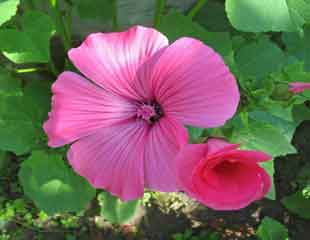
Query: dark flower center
{"x": 150, "y": 112}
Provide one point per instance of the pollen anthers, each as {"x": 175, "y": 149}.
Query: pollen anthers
{"x": 150, "y": 111}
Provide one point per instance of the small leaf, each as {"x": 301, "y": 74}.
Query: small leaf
{"x": 254, "y": 59}
{"x": 116, "y": 211}
{"x": 298, "y": 203}
{"x": 52, "y": 186}
{"x": 260, "y": 16}
{"x": 8, "y": 9}
{"x": 30, "y": 45}
{"x": 271, "y": 229}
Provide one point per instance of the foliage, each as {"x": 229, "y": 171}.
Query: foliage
{"x": 56, "y": 189}
{"x": 265, "y": 43}
{"x": 271, "y": 229}
{"x": 116, "y": 211}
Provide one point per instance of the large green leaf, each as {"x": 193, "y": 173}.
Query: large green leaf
{"x": 298, "y": 203}
{"x": 259, "y": 59}
{"x": 175, "y": 25}
{"x": 264, "y": 137}
{"x": 298, "y": 46}
{"x": 9, "y": 85}
{"x": 8, "y": 9}
{"x": 21, "y": 118}
{"x": 52, "y": 186}
{"x": 260, "y": 16}
{"x": 30, "y": 45}
{"x": 271, "y": 229}
{"x": 116, "y": 211}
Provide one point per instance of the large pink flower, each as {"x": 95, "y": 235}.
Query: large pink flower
{"x": 298, "y": 87}
{"x": 126, "y": 121}
{"x": 221, "y": 176}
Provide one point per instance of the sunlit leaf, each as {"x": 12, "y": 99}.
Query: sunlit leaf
{"x": 271, "y": 229}
{"x": 8, "y": 9}
{"x": 52, "y": 186}
{"x": 30, "y": 45}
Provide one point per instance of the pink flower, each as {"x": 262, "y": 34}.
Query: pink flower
{"x": 126, "y": 119}
{"x": 298, "y": 87}
{"x": 220, "y": 176}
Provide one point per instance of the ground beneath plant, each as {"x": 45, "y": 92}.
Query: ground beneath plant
{"x": 167, "y": 214}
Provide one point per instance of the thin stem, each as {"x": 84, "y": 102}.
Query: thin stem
{"x": 53, "y": 68}
{"x": 60, "y": 25}
{"x": 160, "y": 6}
{"x": 199, "y": 4}
{"x": 28, "y": 70}
{"x": 115, "y": 16}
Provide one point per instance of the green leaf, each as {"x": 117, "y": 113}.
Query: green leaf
{"x": 8, "y": 9}
{"x": 301, "y": 112}
{"x": 21, "y": 118}
{"x": 254, "y": 59}
{"x": 116, "y": 211}
{"x": 52, "y": 186}
{"x": 175, "y": 25}
{"x": 194, "y": 133}
{"x": 260, "y": 16}
{"x": 213, "y": 16}
{"x": 298, "y": 46}
{"x": 271, "y": 229}
{"x": 264, "y": 137}
{"x": 298, "y": 203}
{"x": 30, "y": 45}
{"x": 98, "y": 9}
{"x": 9, "y": 85}
{"x": 299, "y": 10}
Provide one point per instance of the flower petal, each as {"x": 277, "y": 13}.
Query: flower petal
{"x": 232, "y": 189}
{"x": 164, "y": 141}
{"x": 79, "y": 108}
{"x": 298, "y": 87}
{"x": 192, "y": 83}
{"x": 112, "y": 159}
{"x": 112, "y": 59}
{"x": 218, "y": 146}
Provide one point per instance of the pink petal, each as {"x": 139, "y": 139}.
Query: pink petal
{"x": 192, "y": 83}
{"x": 112, "y": 59}
{"x": 298, "y": 87}
{"x": 79, "y": 108}
{"x": 232, "y": 189}
{"x": 220, "y": 146}
{"x": 113, "y": 159}
{"x": 187, "y": 160}
{"x": 164, "y": 141}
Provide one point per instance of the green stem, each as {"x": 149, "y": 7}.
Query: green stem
{"x": 199, "y": 4}
{"x": 28, "y": 70}
{"x": 60, "y": 25}
{"x": 160, "y": 6}
{"x": 115, "y": 16}
{"x": 53, "y": 68}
